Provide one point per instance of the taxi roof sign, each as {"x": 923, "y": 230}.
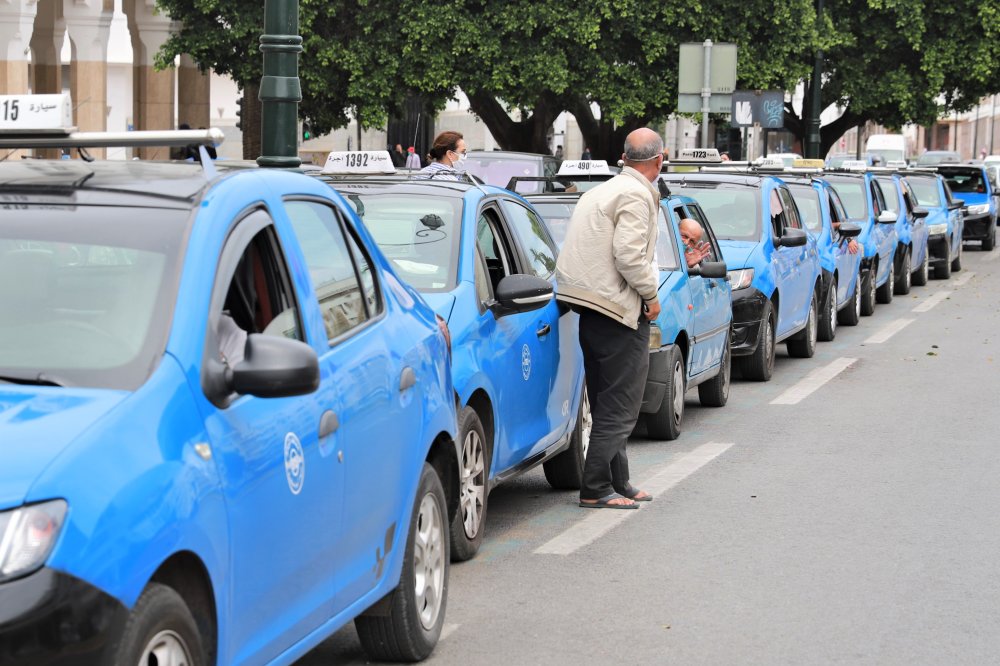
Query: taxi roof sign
{"x": 708, "y": 155}
{"x": 808, "y": 164}
{"x": 769, "y": 163}
{"x": 345, "y": 162}
{"x": 854, "y": 165}
{"x": 896, "y": 164}
{"x": 36, "y": 114}
{"x": 584, "y": 168}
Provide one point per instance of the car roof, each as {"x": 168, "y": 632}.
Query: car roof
{"x": 740, "y": 178}
{"x": 452, "y": 188}
{"x": 104, "y": 182}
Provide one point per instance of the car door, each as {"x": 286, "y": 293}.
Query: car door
{"x": 883, "y": 234}
{"x": 512, "y": 350}
{"x": 373, "y": 416}
{"x": 799, "y": 283}
{"x": 713, "y": 305}
{"x": 918, "y": 225}
{"x": 782, "y": 262}
{"x": 282, "y": 493}
{"x": 847, "y": 264}
{"x": 955, "y": 217}
{"x": 892, "y": 198}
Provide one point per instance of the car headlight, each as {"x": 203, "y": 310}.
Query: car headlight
{"x": 655, "y": 336}
{"x": 978, "y": 209}
{"x": 27, "y": 535}
{"x": 935, "y": 229}
{"x": 740, "y": 279}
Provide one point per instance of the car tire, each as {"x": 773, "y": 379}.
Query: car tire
{"x": 473, "y": 491}
{"x": 868, "y": 292}
{"x": 850, "y": 314}
{"x": 803, "y": 345}
{"x": 565, "y": 471}
{"x": 161, "y": 629}
{"x": 665, "y": 422}
{"x": 715, "y": 391}
{"x": 759, "y": 366}
{"x": 828, "y": 322}
{"x": 903, "y": 283}
{"x": 884, "y": 293}
{"x": 956, "y": 263}
{"x": 921, "y": 274}
{"x": 943, "y": 270}
{"x": 990, "y": 241}
{"x": 408, "y": 622}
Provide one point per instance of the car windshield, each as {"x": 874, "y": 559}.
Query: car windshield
{"x": 807, "y": 200}
{"x": 926, "y": 190}
{"x": 931, "y": 159}
{"x": 964, "y": 180}
{"x": 887, "y": 155}
{"x": 419, "y": 234}
{"x": 852, "y": 194}
{"x": 499, "y": 171}
{"x": 733, "y": 212}
{"x": 87, "y": 293}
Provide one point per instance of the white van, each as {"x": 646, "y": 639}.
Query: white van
{"x": 889, "y": 147}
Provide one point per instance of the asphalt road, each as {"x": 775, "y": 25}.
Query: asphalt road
{"x": 846, "y": 512}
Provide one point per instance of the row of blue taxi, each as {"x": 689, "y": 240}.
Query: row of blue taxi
{"x": 240, "y": 408}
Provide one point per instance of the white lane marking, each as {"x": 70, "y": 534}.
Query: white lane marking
{"x": 601, "y": 521}
{"x": 961, "y": 281}
{"x": 932, "y": 300}
{"x": 889, "y": 330}
{"x": 813, "y": 381}
{"x": 990, "y": 256}
{"x": 447, "y": 630}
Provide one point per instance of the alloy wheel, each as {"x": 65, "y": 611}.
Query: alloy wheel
{"x": 166, "y": 648}
{"x": 429, "y": 562}
{"x": 678, "y": 392}
{"x": 473, "y": 493}
{"x": 833, "y": 308}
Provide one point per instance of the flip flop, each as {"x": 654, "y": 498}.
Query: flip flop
{"x": 634, "y": 498}
{"x": 603, "y": 503}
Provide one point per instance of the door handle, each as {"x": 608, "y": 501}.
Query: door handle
{"x": 407, "y": 379}
{"x": 711, "y": 284}
{"x": 543, "y": 331}
{"x": 328, "y": 424}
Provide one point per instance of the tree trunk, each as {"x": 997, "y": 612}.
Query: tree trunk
{"x": 605, "y": 141}
{"x": 528, "y": 135}
{"x": 250, "y": 117}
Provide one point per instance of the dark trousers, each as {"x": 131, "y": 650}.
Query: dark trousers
{"x": 616, "y": 360}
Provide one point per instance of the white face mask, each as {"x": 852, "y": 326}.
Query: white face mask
{"x": 461, "y": 158}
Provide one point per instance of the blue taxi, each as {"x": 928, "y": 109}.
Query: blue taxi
{"x": 867, "y": 208}
{"x": 689, "y": 341}
{"x": 912, "y": 259}
{"x": 774, "y": 265}
{"x": 824, "y": 217}
{"x": 972, "y": 182}
{"x": 945, "y": 222}
{"x": 226, "y": 427}
{"x": 482, "y": 258}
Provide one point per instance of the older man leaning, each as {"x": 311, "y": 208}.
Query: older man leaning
{"x": 606, "y": 272}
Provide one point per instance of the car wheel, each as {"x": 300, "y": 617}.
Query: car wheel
{"x": 885, "y": 292}
{"x": 470, "y": 518}
{"x": 956, "y": 263}
{"x": 565, "y": 471}
{"x": 903, "y": 283}
{"x": 828, "y": 322}
{"x": 161, "y": 630}
{"x": 921, "y": 275}
{"x": 943, "y": 270}
{"x": 759, "y": 366}
{"x": 715, "y": 392}
{"x": 850, "y": 315}
{"x": 804, "y": 344}
{"x": 665, "y": 422}
{"x": 868, "y": 292}
{"x": 990, "y": 241}
{"x": 408, "y": 626}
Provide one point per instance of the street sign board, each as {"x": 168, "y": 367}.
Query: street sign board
{"x": 691, "y": 72}
{"x": 764, "y": 108}
{"x": 716, "y": 103}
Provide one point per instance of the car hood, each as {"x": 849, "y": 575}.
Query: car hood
{"x": 37, "y": 424}
{"x": 737, "y": 253}
{"x": 441, "y": 302}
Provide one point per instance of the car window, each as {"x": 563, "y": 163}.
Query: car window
{"x": 837, "y": 211}
{"x": 965, "y": 180}
{"x": 494, "y": 248}
{"x": 889, "y": 195}
{"x": 807, "y": 200}
{"x": 695, "y": 213}
{"x": 557, "y": 216}
{"x": 539, "y": 250}
{"x": 926, "y": 190}
{"x": 499, "y": 170}
{"x": 733, "y": 211}
{"x": 342, "y": 276}
{"x": 791, "y": 210}
{"x": 878, "y": 202}
{"x": 852, "y": 194}
{"x": 418, "y": 233}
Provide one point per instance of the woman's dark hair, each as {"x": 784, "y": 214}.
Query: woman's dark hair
{"x": 444, "y": 142}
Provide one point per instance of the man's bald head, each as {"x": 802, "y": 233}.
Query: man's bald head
{"x": 644, "y": 152}
{"x": 691, "y": 231}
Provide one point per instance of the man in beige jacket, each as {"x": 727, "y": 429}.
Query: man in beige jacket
{"x": 607, "y": 273}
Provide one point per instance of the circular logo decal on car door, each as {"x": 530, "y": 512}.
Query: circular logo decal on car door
{"x": 295, "y": 463}
{"x": 525, "y": 362}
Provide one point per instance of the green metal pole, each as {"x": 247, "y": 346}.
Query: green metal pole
{"x": 280, "y": 92}
{"x": 813, "y": 141}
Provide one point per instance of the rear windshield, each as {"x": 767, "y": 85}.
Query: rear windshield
{"x": 964, "y": 180}
{"x": 87, "y": 292}
{"x": 732, "y": 211}
{"x": 926, "y": 190}
{"x": 498, "y": 172}
{"x": 930, "y": 159}
{"x": 852, "y": 194}
{"x": 807, "y": 200}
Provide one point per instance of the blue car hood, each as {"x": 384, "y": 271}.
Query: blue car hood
{"x": 441, "y": 302}
{"x": 36, "y": 425}
{"x": 973, "y": 198}
{"x": 737, "y": 253}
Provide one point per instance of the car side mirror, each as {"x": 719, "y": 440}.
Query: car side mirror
{"x": 275, "y": 367}
{"x": 709, "y": 269}
{"x": 919, "y": 212}
{"x": 956, "y": 204}
{"x": 887, "y": 217}
{"x": 521, "y": 293}
{"x": 848, "y": 230}
{"x": 792, "y": 237}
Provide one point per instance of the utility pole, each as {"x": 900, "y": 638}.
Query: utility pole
{"x": 706, "y": 92}
{"x": 813, "y": 130}
{"x": 280, "y": 90}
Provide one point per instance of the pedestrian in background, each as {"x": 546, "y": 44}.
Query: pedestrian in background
{"x": 559, "y": 153}
{"x": 397, "y": 156}
{"x": 412, "y": 159}
{"x": 606, "y": 272}
{"x": 586, "y": 154}
{"x": 447, "y": 154}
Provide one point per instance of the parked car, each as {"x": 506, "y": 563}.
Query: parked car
{"x": 773, "y": 264}
{"x": 228, "y": 427}
{"x": 911, "y": 232}
{"x": 944, "y": 221}
{"x": 974, "y": 185}
{"x": 936, "y": 157}
{"x": 497, "y": 167}
{"x": 483, "y": 259}
{"x": 824, "y": 218}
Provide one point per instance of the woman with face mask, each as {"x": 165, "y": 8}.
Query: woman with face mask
{"x": 447, "y": 156}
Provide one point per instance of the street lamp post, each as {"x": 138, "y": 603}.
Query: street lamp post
{"x": 280, "y": 91}
{"x": 813, "y": 130}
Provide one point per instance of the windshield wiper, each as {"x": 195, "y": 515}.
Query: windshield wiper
{"x": 41, "y": 379}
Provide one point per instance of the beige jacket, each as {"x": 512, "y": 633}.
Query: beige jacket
{"x": 607, "y": 260}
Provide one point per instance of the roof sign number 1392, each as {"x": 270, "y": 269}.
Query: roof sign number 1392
{"x": 10, "y": 109}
